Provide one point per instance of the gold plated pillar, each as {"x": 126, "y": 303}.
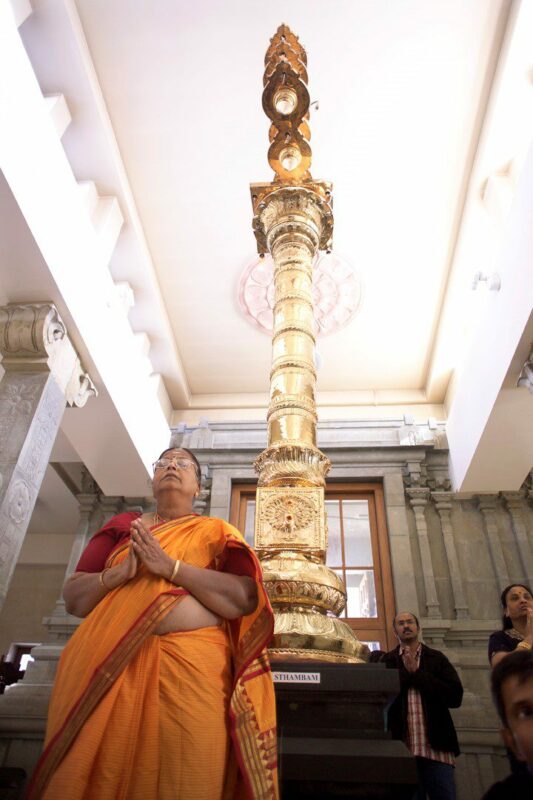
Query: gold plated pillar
{"x": 293, "y": 219}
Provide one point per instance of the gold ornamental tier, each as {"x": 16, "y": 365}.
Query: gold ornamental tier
{"x": 293, "y": 219}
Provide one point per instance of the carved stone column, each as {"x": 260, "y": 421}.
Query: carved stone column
{"x": 487, "y": 504}
{"x": 443, "y": 504}
{"x": 60, "y": 624}
{"x": 418, "y": 498}
{"x": 515, "y": 505}
{"x": 201, "y": 503}
{"x": 42, "y": 374}
{"x": 109, "y": 505}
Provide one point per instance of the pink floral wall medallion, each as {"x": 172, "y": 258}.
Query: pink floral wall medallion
{"x": 336, "y": 293}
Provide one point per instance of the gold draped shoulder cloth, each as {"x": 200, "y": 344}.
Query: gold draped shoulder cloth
{"x": 114, "y": 633}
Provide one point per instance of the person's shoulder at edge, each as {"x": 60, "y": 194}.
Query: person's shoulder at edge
{"x": 391, "y": 656}
{"x": 500, "y": 642}
{"x": 501, "y": 637}
{"x": 518, "y": 785}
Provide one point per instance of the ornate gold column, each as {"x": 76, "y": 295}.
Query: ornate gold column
{"x": 293, "y": 219}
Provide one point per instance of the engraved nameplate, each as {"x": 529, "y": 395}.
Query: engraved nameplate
{"x": 296, "y": 677}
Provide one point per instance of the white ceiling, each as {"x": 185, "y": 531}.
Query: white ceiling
{"x": 402, "y": 89}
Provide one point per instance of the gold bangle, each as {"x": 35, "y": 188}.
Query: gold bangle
{"x": 175, "y": 570}
{"x": 523, "y": 645}
{"x": 101, "y": 578}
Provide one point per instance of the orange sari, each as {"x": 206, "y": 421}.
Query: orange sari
{"x": 187, "y": 715}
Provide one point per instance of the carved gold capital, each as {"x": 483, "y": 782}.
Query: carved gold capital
{"x": 34, "y": 337}
{"x": 300, "y": 216}
{"x": 291, "y": 463}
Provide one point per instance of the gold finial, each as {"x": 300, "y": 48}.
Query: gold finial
{"x": 286, "y": 103}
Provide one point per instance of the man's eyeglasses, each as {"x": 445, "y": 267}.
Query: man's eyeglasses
{"x": 180, "y": 463}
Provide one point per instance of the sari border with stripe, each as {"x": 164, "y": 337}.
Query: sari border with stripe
{"x": 102, "y": 679}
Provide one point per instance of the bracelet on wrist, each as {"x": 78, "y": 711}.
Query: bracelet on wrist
{"x": 175, "y": 570}
{"x": 523, "y": 645}
{"x": 101, "y": 578}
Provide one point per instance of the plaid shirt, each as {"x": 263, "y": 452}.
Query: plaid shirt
{"x": 417, "y": 734}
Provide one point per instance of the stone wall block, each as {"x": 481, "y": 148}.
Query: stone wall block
{"x": 393, "y": 490}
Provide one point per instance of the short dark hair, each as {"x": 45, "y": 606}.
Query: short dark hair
{"x": 406, "y": 612}
{"x": 506, "y": 622}
{"x": 197, "y": 467}
{"x": 519, "y": 663}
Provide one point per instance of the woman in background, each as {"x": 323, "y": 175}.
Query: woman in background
{"x": 517, "y": 623}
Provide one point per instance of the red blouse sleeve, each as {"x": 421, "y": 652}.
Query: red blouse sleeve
{"x": 238, "y": 561}
{"x": 237, "y": 557}
{"x": 105, "y": 541}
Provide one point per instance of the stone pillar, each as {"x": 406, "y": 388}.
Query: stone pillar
{"x": 109, "y": 505}
{"x": 399, "y": 542}
{"x": 60, "y": 624}
{"x": 201, "y": 503}
{"x": 42, "y": 374}
{"x": 138, "y": 504}
{"x": 487, "y": 504}
{"x": 443, "y": 504}
{"x": 418, "y": 498}
{"x": 515, "y": 505}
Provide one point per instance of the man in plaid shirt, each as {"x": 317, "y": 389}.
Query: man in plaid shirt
{"x": 429, "y": 686}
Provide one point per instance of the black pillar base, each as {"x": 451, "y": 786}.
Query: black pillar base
{"x": 332, "y": 735}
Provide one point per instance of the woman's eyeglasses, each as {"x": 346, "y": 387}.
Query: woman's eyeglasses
{"x": 180, "y": 463}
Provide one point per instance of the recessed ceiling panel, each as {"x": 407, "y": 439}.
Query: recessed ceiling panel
{"x": 399, "y": 89}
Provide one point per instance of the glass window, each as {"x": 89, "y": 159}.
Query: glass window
{"x": 249, "y": 523}
{"x": 357, "y": 535}
{"x": 361, "y": 593}
{"x": 334, "y": 555}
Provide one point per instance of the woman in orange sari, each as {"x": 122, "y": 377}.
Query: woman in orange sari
{"x": 164, "y": 691}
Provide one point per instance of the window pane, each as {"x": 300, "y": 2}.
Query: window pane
{"x": 249, "y": 524}
{"x": 357, "y": 541}
{"x": 361, "y": 593}
{"x": 334, "y": 554}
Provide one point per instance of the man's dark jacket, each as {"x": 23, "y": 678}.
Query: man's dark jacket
{"x": 440, "y": 689}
